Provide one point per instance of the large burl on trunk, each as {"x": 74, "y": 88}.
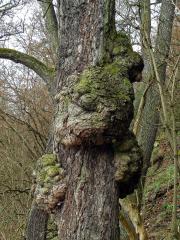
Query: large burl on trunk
{"x": 100, "y": 158}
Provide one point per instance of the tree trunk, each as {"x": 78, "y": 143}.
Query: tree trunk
{"x": 83, "y": 140}
{"x": 38, "y": 218}
{"x": 150, "y": 120}
{"x": 91, "y": 208}
{"x": 98, "y": 158}
{"x": 37, "y": 224}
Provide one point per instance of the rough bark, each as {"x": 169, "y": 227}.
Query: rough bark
{"x": 83, "y": 142}
{"x": 37, "y": 224}
{"x": 91, "y": 205}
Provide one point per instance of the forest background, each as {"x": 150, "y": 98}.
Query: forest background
{"x": 26, "y": 110}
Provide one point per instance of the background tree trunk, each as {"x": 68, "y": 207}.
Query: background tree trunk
{"x": 150, "y": 115}
{"x": 38, "y": 218}
{"x": 37, "y": 224}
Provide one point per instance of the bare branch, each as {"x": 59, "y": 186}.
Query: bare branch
{"x": 46, "y": 73}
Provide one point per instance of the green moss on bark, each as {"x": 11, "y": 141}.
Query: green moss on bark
{"x": 109, "y": 82}
{"x": 47, "y": 160}
{"x": 47, "y": 169}
{"x": 50, "y": 185}
{"x": 98, "y": 104}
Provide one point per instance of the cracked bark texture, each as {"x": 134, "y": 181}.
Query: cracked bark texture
{"x": 90, "y": 210}
{"x": 37, "y": 224}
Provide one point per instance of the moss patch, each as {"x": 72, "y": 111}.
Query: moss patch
{"x": 117, "y": 44}
{"x": 97, "y": 106}
{"x": 53, "y": 171}
{"x": 47, "y": 160}
{"x": 48, "y": 170}
{"x": 121, "y": 44}
{"x": 50, "y": 185}
{"x": 109, "y": 82}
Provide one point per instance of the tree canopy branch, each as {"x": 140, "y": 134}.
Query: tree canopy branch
{"x": 37, "y": 66}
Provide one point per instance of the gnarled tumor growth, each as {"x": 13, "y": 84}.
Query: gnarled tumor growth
{"x": 96, "y": 106}
{"x": 128, "y": 162}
